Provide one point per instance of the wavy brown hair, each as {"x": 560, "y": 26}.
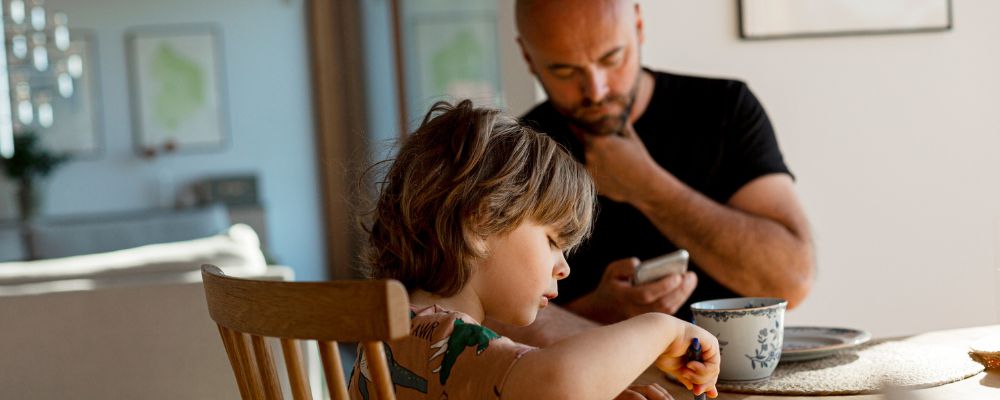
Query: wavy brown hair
{"x": 464, "y": 174}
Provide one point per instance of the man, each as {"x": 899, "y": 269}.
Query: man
{"x": 679, "y": 161}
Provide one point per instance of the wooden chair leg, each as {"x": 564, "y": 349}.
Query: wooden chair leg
{"x": 333, "y": 370}
{"x": 265, "y": 364}
{"x": 296, "y": 373}
{"x": 379, "y": 368}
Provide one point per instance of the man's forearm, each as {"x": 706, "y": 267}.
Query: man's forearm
{"x": 751, "y": 254}
{"x": 553, "y": 324}
{"x": 586, "y": 307}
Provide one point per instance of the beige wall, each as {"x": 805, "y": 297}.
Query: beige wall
{"x": 894, "y": 140}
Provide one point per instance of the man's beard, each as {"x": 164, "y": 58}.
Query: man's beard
{"x": 603, "y": 124}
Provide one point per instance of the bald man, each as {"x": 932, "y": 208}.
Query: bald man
{"x": 680, "y": 162}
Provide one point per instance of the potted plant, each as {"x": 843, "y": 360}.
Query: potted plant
{"x": 31, "y": 163}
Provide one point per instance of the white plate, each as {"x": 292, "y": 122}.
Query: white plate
{"x": 802, "y": 343}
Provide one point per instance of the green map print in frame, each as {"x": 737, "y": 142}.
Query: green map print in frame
{"x": 177, "y": 89}
{"x": 456, "y": 57}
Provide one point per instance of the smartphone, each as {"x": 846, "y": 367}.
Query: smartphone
{"x": 659, "y": 267}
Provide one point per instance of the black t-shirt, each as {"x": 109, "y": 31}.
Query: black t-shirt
{"x": 712, "y": 134}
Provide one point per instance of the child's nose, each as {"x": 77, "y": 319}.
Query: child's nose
{"x": 561, "y": 270}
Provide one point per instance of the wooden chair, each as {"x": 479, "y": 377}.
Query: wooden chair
{"x": 247, "y": 311}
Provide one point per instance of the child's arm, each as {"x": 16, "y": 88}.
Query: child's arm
{"x": 600, "y": 363}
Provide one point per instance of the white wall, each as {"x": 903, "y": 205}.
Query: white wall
{"x": 269, "y": 109}
{"x": 894, "y": 141}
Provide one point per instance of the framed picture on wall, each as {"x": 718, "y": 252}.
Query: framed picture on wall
{"x": 454, "y": 57}
{"x": 774, "y": 19}
{"x": 448, "y": 51}
{"x": 76, "y": 127}
{"x": 177, "y": 88}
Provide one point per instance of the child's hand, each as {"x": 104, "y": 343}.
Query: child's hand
{"x": 698, "y": 377}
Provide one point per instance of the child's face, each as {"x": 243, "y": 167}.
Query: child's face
{"x": 519, "y": 274}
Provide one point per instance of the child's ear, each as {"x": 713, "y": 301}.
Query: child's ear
{"x": 478, "y": 243}
{"x": 472, "y": 238}
{"x": 471, "y": 232}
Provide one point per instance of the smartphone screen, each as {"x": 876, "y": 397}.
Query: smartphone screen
{"x": 659, "y": 267}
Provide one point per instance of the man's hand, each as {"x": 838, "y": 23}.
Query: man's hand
{"x": 619, "y": 164}
{"x": 645, "y": 392}
{"x": 615, "y": 298}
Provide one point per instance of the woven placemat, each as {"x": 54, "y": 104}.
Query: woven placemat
{"x": 867, "y": 369}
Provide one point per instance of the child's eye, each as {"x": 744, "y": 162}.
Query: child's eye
{"x": 553, "y": 244}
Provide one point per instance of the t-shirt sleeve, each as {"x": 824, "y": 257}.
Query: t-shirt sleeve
{"x": 478, "y": 363}
{"x": 750, "y": 142}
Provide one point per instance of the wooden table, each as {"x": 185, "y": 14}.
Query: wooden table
{"x": 985, "y": 385}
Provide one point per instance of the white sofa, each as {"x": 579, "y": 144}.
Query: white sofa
{"x": 128, "y": 324}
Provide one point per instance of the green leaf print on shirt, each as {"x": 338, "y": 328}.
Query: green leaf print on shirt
{"x": 464, "y": 335}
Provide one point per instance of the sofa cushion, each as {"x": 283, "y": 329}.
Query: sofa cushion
{"x": 11, "y": 243}
{"x": 236, "y": 251}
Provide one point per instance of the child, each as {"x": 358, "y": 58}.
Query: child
{"x": 473, "y": 218}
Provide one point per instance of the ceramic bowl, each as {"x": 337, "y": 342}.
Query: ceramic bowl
{"x": 750, "y": 331}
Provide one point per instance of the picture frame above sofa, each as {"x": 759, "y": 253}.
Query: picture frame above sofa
{"x": 78, "y": 127}
{"x": 779, "y": 19}
{"x": 177, "y": 87}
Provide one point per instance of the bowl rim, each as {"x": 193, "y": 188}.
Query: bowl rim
{"x": 699, "y": 306}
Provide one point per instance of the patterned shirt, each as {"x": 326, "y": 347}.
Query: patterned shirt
{"x": 447, "y": 355}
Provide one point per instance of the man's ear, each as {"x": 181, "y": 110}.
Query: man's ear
{"x": 638, "y": 24}
{"x": 527, "y": 58}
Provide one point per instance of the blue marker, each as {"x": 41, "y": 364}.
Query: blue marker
{"x": 694, "y": 354}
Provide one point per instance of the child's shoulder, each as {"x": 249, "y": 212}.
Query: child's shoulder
{"x": 461, "y": 350}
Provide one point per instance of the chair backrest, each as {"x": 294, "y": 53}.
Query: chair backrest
{"x": 247, "y": 311}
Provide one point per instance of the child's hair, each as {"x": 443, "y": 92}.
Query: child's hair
{"x": 467, "y": 173}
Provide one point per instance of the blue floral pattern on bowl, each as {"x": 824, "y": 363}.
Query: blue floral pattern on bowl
{"x": 770, "y": 347}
